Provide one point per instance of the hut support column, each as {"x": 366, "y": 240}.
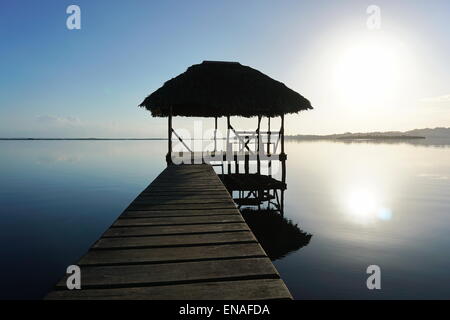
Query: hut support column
{"x": 215, "y": 135}
{"x": 283, "y": 156}
{"x": 229, "y": 149}
{"x": 247, "y": 156}
{"x": 258, "y": 159}
{"x": 169, "y": 139}
{"x": 269, "y": 165}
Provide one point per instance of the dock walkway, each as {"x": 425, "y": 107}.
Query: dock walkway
{"x": 181, "y": 238}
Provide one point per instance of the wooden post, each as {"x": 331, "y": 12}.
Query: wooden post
{"x": 283, "y": 156}
{"x": 268, "y": 135}
{"x": 228, "y": 156}
{"x": 258, "y": 159}
{"x": 169, "y": 142}
{"x": 246, "y": 157}
{"x": 215, "y": 135}
{"x": 269, "y": 165}
{"x": 282, "y": 133}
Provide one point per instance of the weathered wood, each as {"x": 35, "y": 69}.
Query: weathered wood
{"x": 187, "y": 189}
{"x": 182, "y": 200}
{"x": 182, "y": 206}
{"x": 189, "y": 197}
{"x": 191, "y": 183}
{"x": 260, "y": 289}
{"x": 173, "y": 273}
{"x": 179, "y": 254}
{"x": 175, "y": 213}
{"x": 178, "y": 220}
{"x": 177, "y": 240}
{"x": 183, "y": 229}
{"x": 170, "y": 193}
{"x": 181, "y": 238}
{"x": 185, "y": 184}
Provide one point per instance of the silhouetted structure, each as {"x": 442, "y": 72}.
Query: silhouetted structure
{"x": 225, "y": 89}
{"x": 184, "y": 229}
{"x": 277, "y": 235}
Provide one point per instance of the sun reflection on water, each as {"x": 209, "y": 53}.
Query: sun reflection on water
{"x": 365, "y": 207}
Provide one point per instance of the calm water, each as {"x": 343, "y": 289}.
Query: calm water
{"x": 383, "y": 204}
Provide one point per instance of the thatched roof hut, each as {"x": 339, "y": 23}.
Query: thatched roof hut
{"x": 216, "y": 89}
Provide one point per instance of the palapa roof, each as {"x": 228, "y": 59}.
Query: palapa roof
{"x": 216, "y": 89}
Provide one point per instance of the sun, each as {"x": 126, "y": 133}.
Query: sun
{"x": 362, "y": 204}
{"x": 369, "y": 71}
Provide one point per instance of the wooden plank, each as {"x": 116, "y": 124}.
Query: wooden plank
{"x": 183, "y": 229}
{"x": 158, "y": 197}
{"x": 179, "y": 254}
{"x": 180, "y": 176}
{"x": 205, "y": 193}
{"x": 177, "y": 220}
{"x": 188, "y": 183}
{"x": 178, "y": 179}
{"x": 173, "y": 273}
{"x": 187, "y": 175}
{"x": 192, "y": 193}
{"x": 175, "y": 213}
{"x": 196, "y": 178}
{"x": 260, "y": 289}
{"x": 204, "y": 190}
{"x": 185, "y": 200}
{"x": 189, "y": 206}
{"x": 186, "y": 188}
{"x": 177, "y": 240}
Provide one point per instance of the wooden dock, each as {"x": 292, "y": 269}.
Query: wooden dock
{"x": 181, "y": 238}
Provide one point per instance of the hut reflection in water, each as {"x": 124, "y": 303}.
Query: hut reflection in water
{"x": 277, "y": 235}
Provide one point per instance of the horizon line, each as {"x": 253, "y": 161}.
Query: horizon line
{"x": 160, "y": 138}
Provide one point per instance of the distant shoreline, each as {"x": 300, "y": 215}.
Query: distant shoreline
{"x": 353, "y": 137}
{"x": 382, "y": 137}
{"x": 440, "y": 133}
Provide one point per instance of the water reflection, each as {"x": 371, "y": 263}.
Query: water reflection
{"x": 368, "y": 203}
{"x": 331, "y": 186}
{"x": 365, "y": 207}
{"x": 427, "y": 142}
{"x": 277, "y": 235}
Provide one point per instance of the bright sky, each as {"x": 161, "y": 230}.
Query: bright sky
{"x": 56, "y": 82}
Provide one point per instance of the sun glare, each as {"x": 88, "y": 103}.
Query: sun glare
{"x": 369, "y": 71}
{"x": 361, "y": 204}
{"x": 364, "y": 207}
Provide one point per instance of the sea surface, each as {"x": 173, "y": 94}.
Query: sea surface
{"x": 384, "y": 204}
